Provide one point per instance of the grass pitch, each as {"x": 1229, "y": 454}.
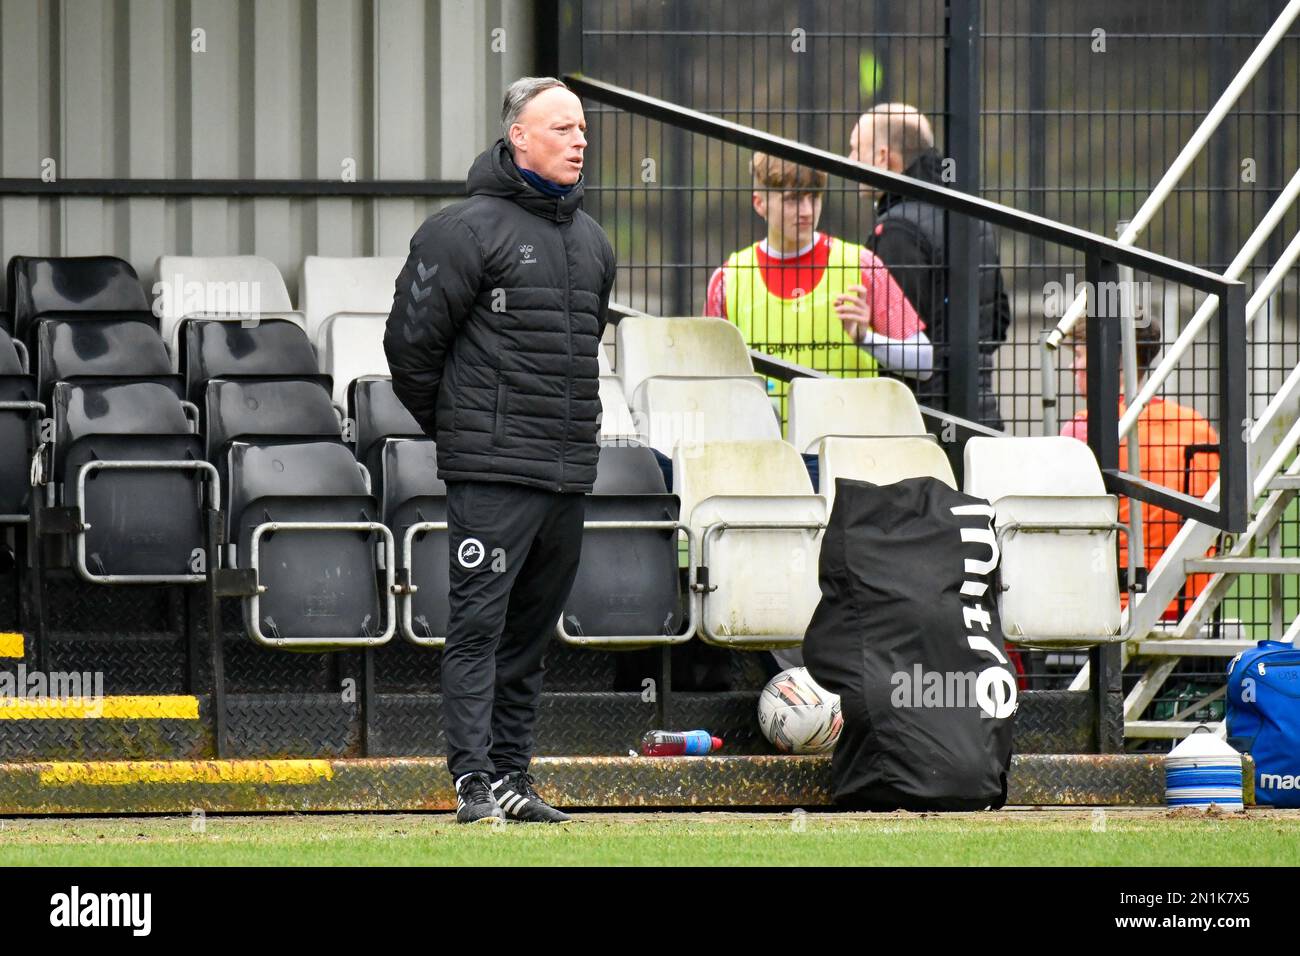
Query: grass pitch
{"x": 1027, "y": 837}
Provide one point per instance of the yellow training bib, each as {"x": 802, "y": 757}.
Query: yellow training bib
{"x": 804, "y": 330}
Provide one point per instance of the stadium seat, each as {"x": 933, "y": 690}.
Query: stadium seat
{"x": 881, "y": 461}
{"x": 265, "y": 349}
{"x": 602, "y": 360}
{"x": 672, "y": 410}
{"x": 300, "y": 516}
{"x": 126, "y": 456}
{"x": 617, "y": 426}
{"x": 650, "y": 347}
{"x": 62, "y": 287}
{"x": 266, "y": 410}
{"x": 218, "y": 287}
{"x": 752, "y": 508}
{"x": 850, "y": 406}
{"x": 352, "y": 346}
{"x": 1056, "y": 530}
{"x": 104, "y": 351}
{"x": 627, "y": 593}
{"x": 377, "y": 415}
{"x": 20, "y": 415}
{"x": 330, "y": 286}
{"x": 415, "y": 509}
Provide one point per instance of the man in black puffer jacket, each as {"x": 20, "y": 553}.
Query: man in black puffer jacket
{"x": 492, "y": 343}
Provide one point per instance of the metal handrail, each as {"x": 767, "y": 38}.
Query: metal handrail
{"x": 1186, "y": 157}
{"x": 952, "y": 200}
{"x": 1179, "y": 347}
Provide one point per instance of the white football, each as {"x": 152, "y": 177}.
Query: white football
{"x": 797, "y": 715}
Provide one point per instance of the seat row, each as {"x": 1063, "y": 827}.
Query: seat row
{"x": 342, "y": 302}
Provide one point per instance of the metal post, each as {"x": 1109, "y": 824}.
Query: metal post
{"x": 1103, "y": 367}
{"x": 568, "y": 37}
{"x": 962, "y": 95}
{"x": 1107, "y": 688}
{"x": 1235, "y": 494}
{"x": 664, "y": 705}
{"x": 218, "y": 685}
{"x": 367, "y": 702}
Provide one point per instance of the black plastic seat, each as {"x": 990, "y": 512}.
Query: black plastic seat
{"x": 267, "y": 349}
{"x": 413, "y": 494}
{"x": 145, "y": 522}
{"x": 19, "y": 419}
{"x": 64, "y": 286}
{"x": 377, "y": 415}
{"x": 278, "y": 448}
{"x": 321, "y": 588}
{"x": 628, "y": 585}
{"x": 111, "y": 351}
{"x": 266, "y": 412}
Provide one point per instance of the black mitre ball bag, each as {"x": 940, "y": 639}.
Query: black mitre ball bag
{"x": 907, "y": 634}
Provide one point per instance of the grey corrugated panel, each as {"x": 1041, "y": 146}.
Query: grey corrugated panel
{"x": 405, "y": 89}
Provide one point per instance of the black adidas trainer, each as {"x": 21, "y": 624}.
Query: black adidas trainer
{"x": 515, "y": 794}
{"x": 474, "y": 800}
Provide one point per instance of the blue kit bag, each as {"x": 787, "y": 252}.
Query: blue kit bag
{"x": 1264, "y": 718}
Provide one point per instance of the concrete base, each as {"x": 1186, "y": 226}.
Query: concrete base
{"x": 397, "y": 784}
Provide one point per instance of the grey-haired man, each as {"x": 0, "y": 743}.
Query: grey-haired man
{"x": 492, "y": 343}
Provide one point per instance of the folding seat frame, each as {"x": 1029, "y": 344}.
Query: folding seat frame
{"x": 615, "y": 496}
{"x": 714, "y": 516}
{"x": 253, "y": 589}
{"x": 722, "y": 523}
{"x": 242, "y": 577}
{"x": 633, "y": 641}
{"x": 58, "y": 513}
{"x": 19, "y": 398}
{"x": 1017, "y": 514}
{"x": 397, "y": 504}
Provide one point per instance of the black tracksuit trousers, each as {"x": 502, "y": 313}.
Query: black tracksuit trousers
{"x": 514, "y": 557}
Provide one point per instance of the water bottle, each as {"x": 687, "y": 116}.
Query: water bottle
{"x": 667, "y": 743}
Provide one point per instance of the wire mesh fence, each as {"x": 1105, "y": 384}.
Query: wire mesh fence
{"x": 1082, "y": 108}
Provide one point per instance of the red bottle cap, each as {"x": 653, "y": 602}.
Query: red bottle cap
{"x": 717, "y": 743}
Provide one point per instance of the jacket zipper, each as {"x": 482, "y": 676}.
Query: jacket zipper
{"x": 568, "y": 373}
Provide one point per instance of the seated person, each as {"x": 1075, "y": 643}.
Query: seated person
{"x": 1172, "y": 450}
{"x": 810, "y": 298}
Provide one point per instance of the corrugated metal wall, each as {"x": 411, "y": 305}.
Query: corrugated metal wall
{"x": 281, "y": 89}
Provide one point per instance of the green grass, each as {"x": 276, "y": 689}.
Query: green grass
{"x": 1020, "y": 837}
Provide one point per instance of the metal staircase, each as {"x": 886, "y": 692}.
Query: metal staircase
{"x": 1274, "y": 467}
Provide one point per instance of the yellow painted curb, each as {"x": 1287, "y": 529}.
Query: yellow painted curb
{"x": 157, "y": 707}
{"x": 119, "y": 773}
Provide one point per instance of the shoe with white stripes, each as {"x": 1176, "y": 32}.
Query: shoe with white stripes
{"x": 474, "y": 800}
{"x": 516, "y": 796}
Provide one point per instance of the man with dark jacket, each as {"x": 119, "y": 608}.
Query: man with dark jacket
{"x": 910, "y": 238}
{"x": 492, "y": 343}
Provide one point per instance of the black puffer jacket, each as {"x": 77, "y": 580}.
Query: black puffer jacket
{"x": 495, "y": 324}
{"x": 910, "y": 238}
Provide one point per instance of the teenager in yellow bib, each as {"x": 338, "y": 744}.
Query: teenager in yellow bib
{"x": 813, "y": 299}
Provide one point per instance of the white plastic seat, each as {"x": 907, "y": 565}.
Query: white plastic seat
{"x": 218, "y": 287}
{"x": 1055, "y": 526}
{"x": 617, "y": 426}
{"x": 672, "y": 410}
{"x": 352, "y": 346}
{"x": 602, "y": 359}
{"x": 760, "y": 589}
{"x": 329, "y": 286}
{"x": 881, "y": 461}
{"x": 699, "y": 348}
{"x": 850, "y": 406}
